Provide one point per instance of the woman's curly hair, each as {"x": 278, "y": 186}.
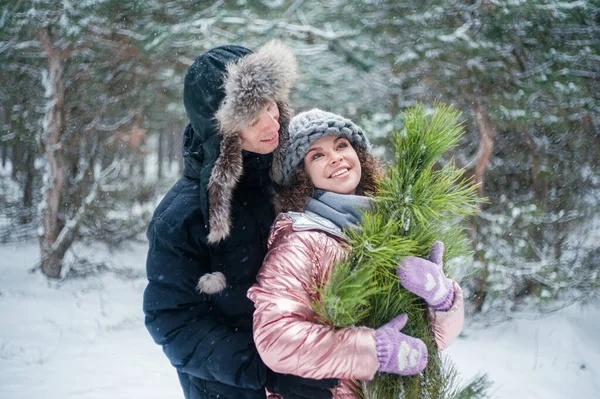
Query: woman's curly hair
{"x": 293, "y": 196}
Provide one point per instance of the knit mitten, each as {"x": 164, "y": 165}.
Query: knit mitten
{"x": 399, "y": 353}
{"x": 426, "y": 278}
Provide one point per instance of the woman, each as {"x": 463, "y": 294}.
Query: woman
{"x": 328, "y": 171}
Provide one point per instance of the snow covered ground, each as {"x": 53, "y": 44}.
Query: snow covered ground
{"x": 85, "y": 339}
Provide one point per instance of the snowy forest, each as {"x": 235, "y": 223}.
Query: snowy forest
{"x": 91, "y": 119}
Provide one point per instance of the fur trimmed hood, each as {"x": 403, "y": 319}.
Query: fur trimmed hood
{"x": 225, "y": 91}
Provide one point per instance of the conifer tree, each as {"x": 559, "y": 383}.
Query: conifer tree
{"x": 418, "y": 202}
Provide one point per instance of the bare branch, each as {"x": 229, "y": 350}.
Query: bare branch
{"x": 71, "y": 226}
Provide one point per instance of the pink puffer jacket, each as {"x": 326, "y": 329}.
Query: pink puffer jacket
{"x": 289, "y": 339}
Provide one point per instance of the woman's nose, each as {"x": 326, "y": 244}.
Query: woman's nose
{"x": 335, "y": 157}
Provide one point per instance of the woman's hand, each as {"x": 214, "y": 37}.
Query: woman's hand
{"x": 399, "y": 353}
{"x": 426, "y": 278}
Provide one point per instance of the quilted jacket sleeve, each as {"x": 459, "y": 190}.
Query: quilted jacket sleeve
{"x": 184, "y": 323}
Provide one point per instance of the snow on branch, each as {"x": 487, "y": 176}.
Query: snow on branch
{"x": 105, "y": 127}
{"x": 260, "y": 25}
{"x": 130, "y": 33}
{"x": 27, "y": 44}
{"x": 562, "y": 5}
{"x": 329, "y": 34}
{"x": 580, "y": 73}
{"x": 71, "y": 225}
{"x": 460, "y": 33}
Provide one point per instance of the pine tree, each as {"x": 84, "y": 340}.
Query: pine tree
{"x": 418, "y": 202}
{"x": 525, "y": 73}
{"x": 81, "y": 83}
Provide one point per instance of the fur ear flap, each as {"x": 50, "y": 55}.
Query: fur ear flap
{"x": 223, "y": 179}
{"x": 211, "y": 283}
{"x": 285, "y": 116}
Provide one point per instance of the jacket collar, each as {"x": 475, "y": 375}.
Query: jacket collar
{"x": 304, "y": 221}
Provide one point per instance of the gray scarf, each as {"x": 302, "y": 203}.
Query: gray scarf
{"x": 343, "y": 210}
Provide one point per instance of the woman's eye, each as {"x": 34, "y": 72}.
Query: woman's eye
{"x": 316, "y": 156}
{"x": 342, "y": 146}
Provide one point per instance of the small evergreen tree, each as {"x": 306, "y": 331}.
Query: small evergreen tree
{"x": 418, "y": 202}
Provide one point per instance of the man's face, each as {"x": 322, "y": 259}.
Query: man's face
{"x": 263, "y": 136}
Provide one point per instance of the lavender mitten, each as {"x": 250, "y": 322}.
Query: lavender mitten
{"x": 399, "y": 353}
{"x": 426, "y": 278}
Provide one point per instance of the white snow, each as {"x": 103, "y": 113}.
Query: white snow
{"x": 82, "y": 338}
{"x": 85, "y": 339}
{"x": 554, "y": 357}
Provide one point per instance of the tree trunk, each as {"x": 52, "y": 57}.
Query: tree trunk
{"x": 28, "y": 187}
{"x": 588, "y": 126}
{"x": 486, "y": 145}
{"x": 57, "y": 166}
{"x": 137, "y": 141}
{"x": 177, "y": 148}
{"x": 16, "y": 156}
{"x": 4, "y": 154}
{"x": 394, "y": 105}
{"x": 142, "y": 163}
{"x": 171, "y": 153}
{"x": 4, "y": 144}
{"x": 540, "y": 185}
{"x": 482, "y": 285}
{"x": 161, "y": 153}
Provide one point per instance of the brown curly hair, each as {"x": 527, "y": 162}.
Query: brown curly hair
{"x": 293, "y": 196}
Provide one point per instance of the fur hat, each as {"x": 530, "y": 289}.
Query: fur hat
{"x": 250, "y": 84}
{"x": 308, "y": 127}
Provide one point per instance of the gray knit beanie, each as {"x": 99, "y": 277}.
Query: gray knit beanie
{"x": 308, "y": 127}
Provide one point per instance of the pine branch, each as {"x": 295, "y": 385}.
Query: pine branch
{"x": 416, "y": 205}
{"x": 476, "y": 389}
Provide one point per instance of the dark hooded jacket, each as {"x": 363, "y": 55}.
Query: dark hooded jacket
{"x": 208, "y": 236}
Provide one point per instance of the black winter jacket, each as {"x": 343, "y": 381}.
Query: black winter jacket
{"x": 208, "y": 338}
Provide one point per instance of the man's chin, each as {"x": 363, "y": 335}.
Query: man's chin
{"x": 271, "y": 147}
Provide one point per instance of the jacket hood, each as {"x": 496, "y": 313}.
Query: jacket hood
{"x": 225, "y": 90}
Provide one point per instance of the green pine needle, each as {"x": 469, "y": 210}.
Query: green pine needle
{"x": 478, "y": 388}
{"x": 418, "y": 203}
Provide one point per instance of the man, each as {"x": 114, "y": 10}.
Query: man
{"x": 208, "y": 236}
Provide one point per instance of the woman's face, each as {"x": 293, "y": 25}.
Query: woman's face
{"x": 263, "y": 136}
{"x": 332, "y": 165}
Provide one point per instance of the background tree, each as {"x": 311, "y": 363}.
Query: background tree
{"x": 524, "y": 73}
{"x": 502, "y": 63}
